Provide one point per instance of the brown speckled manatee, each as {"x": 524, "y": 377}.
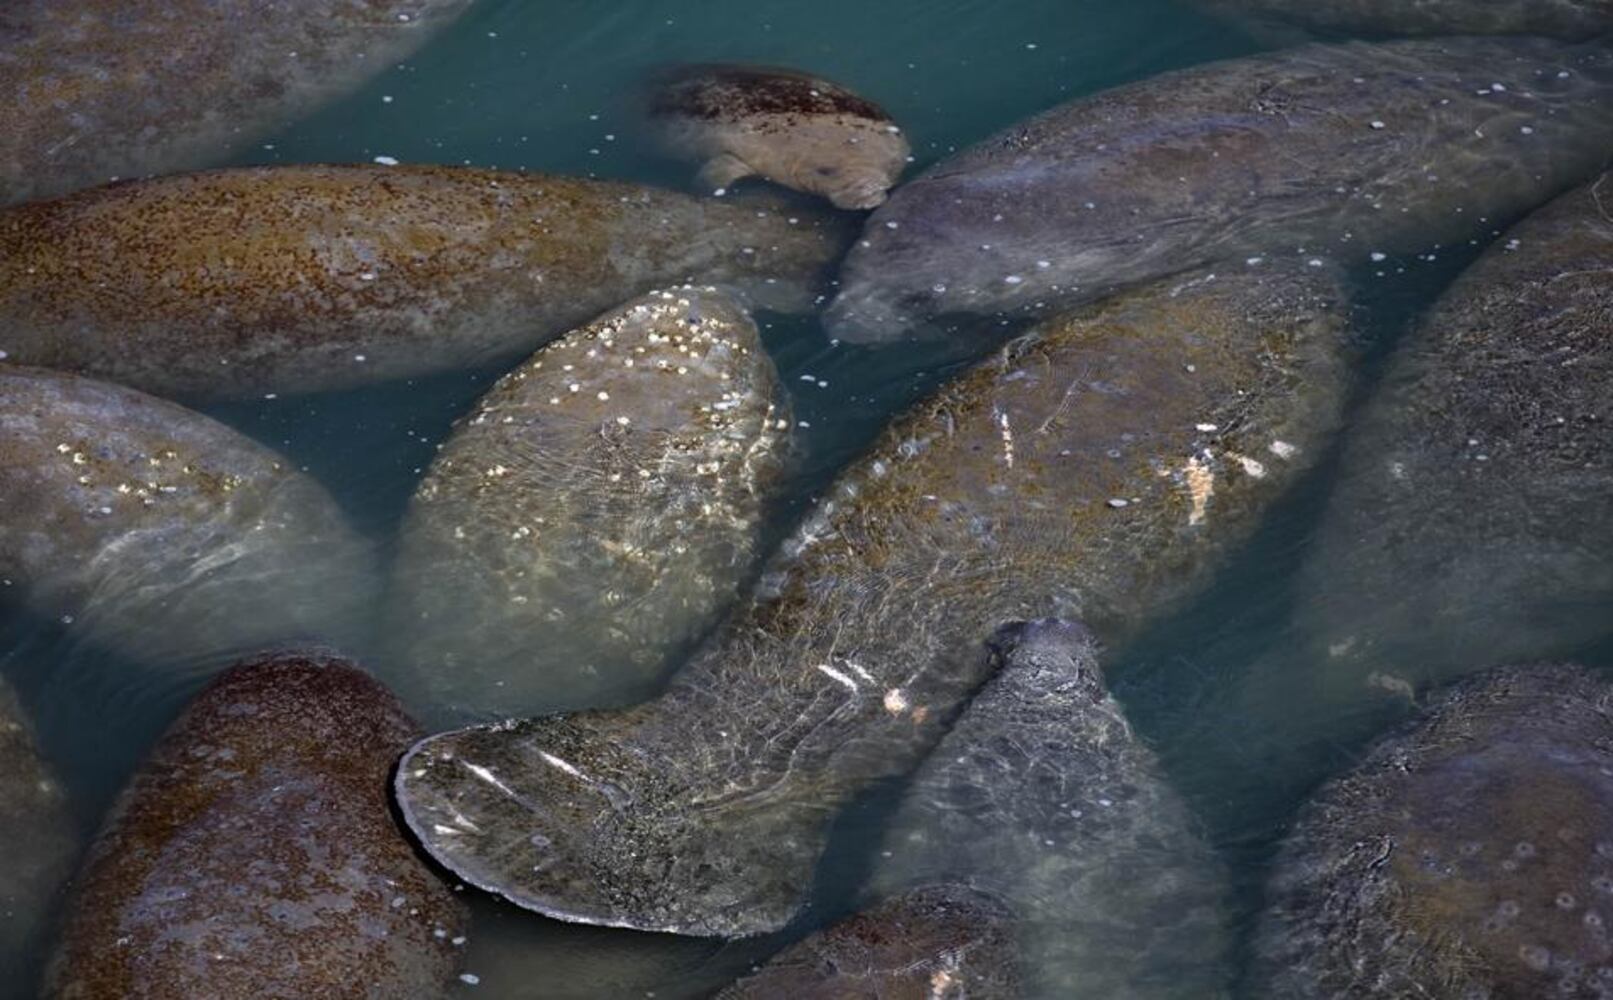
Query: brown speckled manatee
{"x": 1332, "y": 152}
{"x": 95, "y": 90}
{"x": 297, "y": 279}
{"x": 791, "y": 128}
{"x": 38, "y": 839}
{"x": 254, "y": 854}
{"x": 162, "y": 534}
{"x": 1470, "y": 854}
{"x": 1568, "y": 19}
{"x": 594, "y": 513}
{"x": 1094, "y": 470}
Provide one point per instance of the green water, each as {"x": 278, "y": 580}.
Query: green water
{"x": 550, "y": 86}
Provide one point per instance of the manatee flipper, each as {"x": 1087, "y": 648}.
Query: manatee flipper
{"x": 723, "y": 170}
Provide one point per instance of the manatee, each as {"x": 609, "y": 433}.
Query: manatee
{"x": 1042, "y": 796}
{"x": 101, "y": 89}
{"x": 932, "y": 943}
{"x": 162, "y": 534}
{"x": 791, "y": 128}
{"x": 1094, "y": 470}
{"x": 1469, "y": 854}
{"x": 1567, "y": 19}
{"x": 596, "y": 510}
{"x": 37, "y": 837}
{"x": 297, "y": 279}
{"x": 1330, "y": 152}
{"x": 254, "y": 854}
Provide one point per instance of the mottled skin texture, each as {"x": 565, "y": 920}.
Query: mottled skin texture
{"x": 595, "y": 511}
{"x": 1568, "y": 19}
{"x": 1470, "y": 854}
{"x": 931, "y": 943}
{"x": 1265, "y": 155}
{"x": 791, "y": 128}
{"x": 296, "y": 279}
{"x": 255, "y": 855}
{"x": 95, "y": 90}
{"x": 37, "y": 837}
{"x": 704, "y": 812}
{"x": 1043, "y": 796}
{"x": 162, "y": 533}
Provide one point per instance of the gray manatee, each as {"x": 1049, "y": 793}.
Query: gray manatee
{"x": 792, "y": 128}
{"x": 254, "y": 854}
{"x": 1567, "y": 19}
{"x": 1096, "y": 469}
{"x": 297, "y": 279}
{"x": 95, "y": 90}
{"x": 1325, "y": 152}
{"x": 1042, "y": 796}
{"x": 37, "y": 838}
{"x": 162, "y": 533}
{"x": 1470, "y": 854}
{"x": 595, "y": 512}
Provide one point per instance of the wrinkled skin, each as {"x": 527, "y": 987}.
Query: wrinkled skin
{"x": 1043, "y": 796}
{"x": 595, "y": 511}
{"x": 163, "y": 534}
{"x": 1573, "y": 20}
{"x": 1468, "y": 855}
{"x": 235, "y": 283}
{"x": 94, "y": 90}
{"x": 801, "y": 131}
{"x": 254, "y": 855}
{"x": 932, "y": 943}
{"x": 704, "y": 812}
{"x": 1263, "y": 156}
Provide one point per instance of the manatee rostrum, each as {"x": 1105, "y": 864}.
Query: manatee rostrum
{"x": 296, "y": 279}
{"x": 1322, "y": 152}
{"x": 789, "y": 127}
{"x": 1568, "y": 19}
{"x": 942, "y": 942}
{"x": 162, "y": 534}
{"x": 254, "y": 854}
{"x": 96, "y": 90}
{"x": 1042, "y": 796}
{"x": 1095, "y": 469}
{"x": 1469, "y": 854}
{"x": 594, "y": 512}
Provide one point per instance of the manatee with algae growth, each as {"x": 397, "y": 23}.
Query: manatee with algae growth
{"x": 1470, "y": 854}
{"x": 235, "y": 283}
{"x": 1093, "y": 470}
{"x": 1330, "y": 152}
{"x": 595, "y": 511}
{"x": 161, "y": 533}
{"x": 254, "y": 854}
{"x": 37, "y": 835}
{"x": 1568, "y": 19}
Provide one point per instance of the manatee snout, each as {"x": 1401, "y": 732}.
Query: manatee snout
{"x": 1050, "y": 656}
{"x": 859, "y": 192}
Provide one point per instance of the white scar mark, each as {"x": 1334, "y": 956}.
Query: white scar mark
{"x": 1008, "y": 438}
{"x": 835, "y": 675}
{"x": 563, "y": 765}
{"x": 464, "y": 823}
{"x": 1254, "y": 468}
{"x": 489, "y": 777}
{"x": 860, "y": 672}
{"x": 896, "y": 701}
{"x": 1200, "y": 486}
{"x": 1282, "y": 449}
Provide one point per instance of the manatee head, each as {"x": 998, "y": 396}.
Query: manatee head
{"x": 853, "y": 164}
{"x": 1049, "y": 656}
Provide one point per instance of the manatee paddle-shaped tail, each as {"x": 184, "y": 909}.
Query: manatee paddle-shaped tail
{"x": 594, "y": 513}
{"x": 1096, "y": 470}
{"x": 236, "y": 283}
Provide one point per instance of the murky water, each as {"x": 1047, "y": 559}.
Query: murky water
{"x": 548, "y": 85}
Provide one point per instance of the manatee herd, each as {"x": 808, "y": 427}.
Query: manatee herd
{"x": 1151, "y": 294}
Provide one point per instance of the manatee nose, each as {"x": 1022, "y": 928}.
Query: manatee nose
{"x": 860, "y": 195}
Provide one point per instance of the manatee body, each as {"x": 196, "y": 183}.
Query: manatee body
{"x": 1567, "y": 19}
{"x": 297, "y": 279}
{"x": 161, "y": 533}
{"x": 37, "y": 837}
{"x": 1042, "y": 796}
{"x": 254, "y": 854}
{"x": 1094, "y": 470}
{"x": 932, "y": 943}
{"x": 1327, "y": 152}
{"x": 1468, "y": 855}
{"x": 95, "y": 90}
{"x": 791, "y": 128}
{"x": 595, "y": 511}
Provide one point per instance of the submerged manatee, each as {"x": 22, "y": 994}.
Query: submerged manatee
{"x": 160, "y": 532}
{"x": 296, "y": 279}
{"x": 595, "y": 512}
{"x": 1043, "y": 796}
{"x": 791, "y": 128}
{"x": 1093, "y": 470}
{"x": 1469, "y": 854}
{"x": 37, "y": 838}
{"x": 1325, "y": 151}
{"x": 1569, "y": 19}
{"x": 100, "y": 89}
{"x": 255, "y": 855}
